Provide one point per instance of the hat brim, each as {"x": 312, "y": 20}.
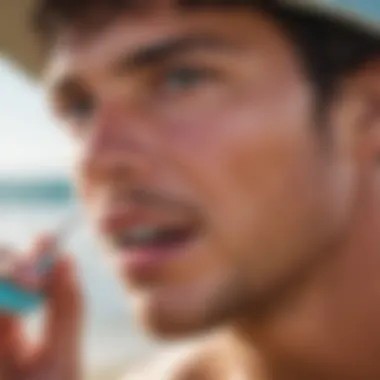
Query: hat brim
{"x": 18, "y": 43}
{"x": 349, "y": 15}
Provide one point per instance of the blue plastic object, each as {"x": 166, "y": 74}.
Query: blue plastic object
{"x": 15, "y": 300}
{"x": 18, "y": 301}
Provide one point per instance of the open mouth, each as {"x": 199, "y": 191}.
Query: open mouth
{"x": 158, "y": 238}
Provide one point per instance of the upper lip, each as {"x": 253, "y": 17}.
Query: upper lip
{"x": 119, "y": 219}
{"x": 127, "y": 218}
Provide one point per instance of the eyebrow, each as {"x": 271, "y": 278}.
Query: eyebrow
{"x": 164, "y": 50}
{"x": 151, "y": 55}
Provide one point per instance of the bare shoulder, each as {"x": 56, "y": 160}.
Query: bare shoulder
{"x": 211, "y": 358}
{"x": 178, "y": 363}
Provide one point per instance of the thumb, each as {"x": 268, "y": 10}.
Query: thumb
{"x": 63, "y": 327}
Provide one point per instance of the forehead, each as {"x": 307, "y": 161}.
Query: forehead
{"x": 76, "y": 51}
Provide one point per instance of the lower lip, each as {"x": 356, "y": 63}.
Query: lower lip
{"x": 146, "y": 261}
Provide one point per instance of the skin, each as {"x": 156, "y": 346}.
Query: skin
{"x": 222, "y": 133}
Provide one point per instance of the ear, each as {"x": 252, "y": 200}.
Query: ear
{"x": 359, "y": 112}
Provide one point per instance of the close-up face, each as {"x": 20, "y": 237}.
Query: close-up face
{"x": 200, "y": 159}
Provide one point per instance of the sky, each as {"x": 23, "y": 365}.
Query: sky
{"x": 31, "y": 145}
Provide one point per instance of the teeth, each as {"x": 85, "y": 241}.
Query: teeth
{"x": 139, "y": 235}
{"x": 143, "y": 233}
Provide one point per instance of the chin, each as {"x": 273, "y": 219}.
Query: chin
{"x": 168, "y": 324}
{"x": 176, "y": 311}
{"x": 170, "y": 319}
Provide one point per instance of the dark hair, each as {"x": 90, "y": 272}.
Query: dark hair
{"x": 329, "y": 47}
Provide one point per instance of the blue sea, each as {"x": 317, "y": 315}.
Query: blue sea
{"x": 28, "y": 207}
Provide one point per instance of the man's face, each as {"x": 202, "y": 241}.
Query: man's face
{"x": 199, "y": 159}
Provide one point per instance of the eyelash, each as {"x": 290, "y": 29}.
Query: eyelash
{"x": 80, "y": 107}
{"x": 72, "y": 109}
{"x": 200, "y": 75}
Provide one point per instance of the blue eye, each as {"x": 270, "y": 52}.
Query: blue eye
{"x": 183, "y": 78}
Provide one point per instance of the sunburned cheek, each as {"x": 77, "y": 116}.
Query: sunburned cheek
{"x": 218, "y": 153}
{"x": 214, "y": 132}
{"x": 243, "y": 139}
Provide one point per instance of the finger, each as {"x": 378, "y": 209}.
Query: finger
{"x": 12, "y": 347}
{"x": 64, "y": 320}
{"x": 43, "y": 246}
{"x": 26, "y": 277}
{"x": 11, "y": 343}
{"x": 16, "y": 356}
{"x": 26, "y": 273}
{"x": 7, "y": 260}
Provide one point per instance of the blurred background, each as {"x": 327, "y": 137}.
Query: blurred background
{"x": 35, "y": 193}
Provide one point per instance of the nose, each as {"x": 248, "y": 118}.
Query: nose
{"x": 119, "y": 146}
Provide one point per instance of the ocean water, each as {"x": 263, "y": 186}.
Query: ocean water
{"x": 111, "y": 336}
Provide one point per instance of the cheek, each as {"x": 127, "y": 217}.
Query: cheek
{"x": 238, "y": 150}
{"x": 255, "y": 168}
{"x": 85, "y": 191}
{"x": 87, "y": 174}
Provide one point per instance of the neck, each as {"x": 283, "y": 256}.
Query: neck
{"x": 329, "y": 328}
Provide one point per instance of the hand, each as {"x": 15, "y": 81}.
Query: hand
{"x": 57, "y": 357}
